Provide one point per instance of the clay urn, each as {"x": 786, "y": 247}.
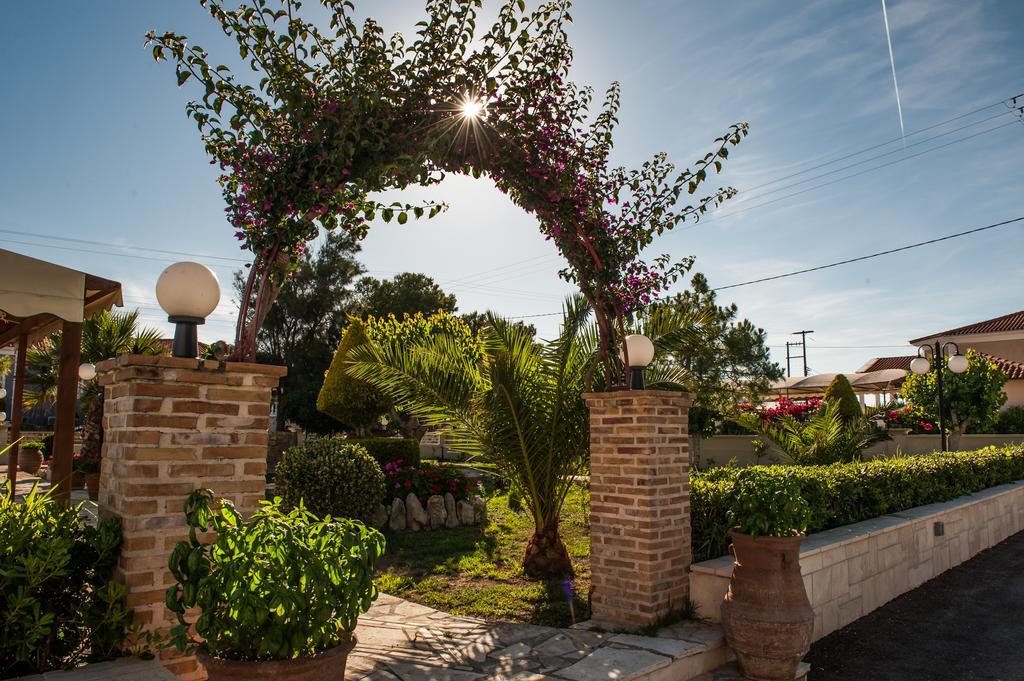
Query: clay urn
{"x": 326, "y": 666}
{"x": 766, "y": 614}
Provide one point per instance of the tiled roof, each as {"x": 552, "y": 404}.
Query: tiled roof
{"x": 168, "y": 345}
{"x": 1008, "y": 322}
{"x": 880, "y": 363}
{"x": 1013, "y": 369}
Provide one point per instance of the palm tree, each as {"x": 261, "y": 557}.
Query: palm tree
{"x": 517, "y": 402}
{"x": 827, "y": 437}
{"x": 104, "y": 335}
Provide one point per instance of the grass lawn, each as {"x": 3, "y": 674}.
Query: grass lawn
{"x": 476, "y": 571}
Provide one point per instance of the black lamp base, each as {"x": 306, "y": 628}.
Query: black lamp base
{"x": 636, "y": 378}
{"x": 186, "y": 336}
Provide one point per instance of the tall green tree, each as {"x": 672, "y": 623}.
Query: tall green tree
{"x": 840, "y": 390}
{"x": 515, "y": 401}
{"x": 304, "y": 326}
{"x": 406, "y": 294}
{"x": 727, "y": 362}
{"x": 104, "y": 335}
{"x": 971, "y": 398}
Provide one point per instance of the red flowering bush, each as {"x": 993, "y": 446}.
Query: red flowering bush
{"x": 426, "y": 480}
{"x": 906, "y": 417}
{"x": 800, "y": 411}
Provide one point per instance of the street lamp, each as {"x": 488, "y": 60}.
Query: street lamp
{"x": 87, "y": 371}
{"x": 188, "y": 292}
{"x": 930, "y": 357}
{"x": 641, "y": 353}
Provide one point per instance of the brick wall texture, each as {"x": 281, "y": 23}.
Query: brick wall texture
{"x": 173, "y": 425}
{"x": 640, "y": 547}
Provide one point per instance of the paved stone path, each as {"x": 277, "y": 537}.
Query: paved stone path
{"x": 130, "y": 669}
{"x": 403, "y": 641}
{"x": 964, "y": 625}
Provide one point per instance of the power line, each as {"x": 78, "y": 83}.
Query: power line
{"x": 122, "y": 246}
{"x": 727, "y": 214}
{"x": 835, "y": 264}
{"x": 872, "y": 255}
{"x": 1008, "y": 102}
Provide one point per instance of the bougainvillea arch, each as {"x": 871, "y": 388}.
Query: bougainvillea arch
{"x": 334, "y": 115}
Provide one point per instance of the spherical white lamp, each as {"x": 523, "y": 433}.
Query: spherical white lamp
{"x": 920, "y": 365}
{"x": 958, "y": 363}
{"x": 188, "y": 292}
{"x": 87, "y": 371}
{"x": 3, "y": 393}
{"x": 641, "y": 353}
{"x": 3, "y": 416}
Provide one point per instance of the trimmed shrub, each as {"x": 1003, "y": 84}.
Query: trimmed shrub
{"x": 1011, "y": 421}
{"x": 845, "y": 493}
{"x": 332, "y": 477}
{"x": 59, "y": 603}
{"x": 841, "y": 390}
{"x": 356, "y": 404}
{"x": 388, "y": 449}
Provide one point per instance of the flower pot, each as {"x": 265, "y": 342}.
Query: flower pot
{"x": 77, "y": 480}
{"x": 29, "y": 460}
{"x": 92, "y": 483}
{"x": 766, "y": 614}
{"x": 327, "y": 666}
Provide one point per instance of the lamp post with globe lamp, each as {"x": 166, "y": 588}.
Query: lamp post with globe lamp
{"x": 929, "y": 357}
{"x": 188, "y": 292}
{"x": 641, "y": 353}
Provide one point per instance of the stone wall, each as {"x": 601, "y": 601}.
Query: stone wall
{"x": 850, "y": 571}
{"x": 173, "y": 425}
{"x": 639, "y": 506}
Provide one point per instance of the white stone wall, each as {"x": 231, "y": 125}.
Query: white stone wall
{"x": 850, "y": 571}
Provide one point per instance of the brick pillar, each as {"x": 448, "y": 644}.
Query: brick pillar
{"x": 640, "y": 550}
{"x": 172, "y": 425}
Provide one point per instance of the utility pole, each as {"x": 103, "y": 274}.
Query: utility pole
{"x": 803, "y": 342}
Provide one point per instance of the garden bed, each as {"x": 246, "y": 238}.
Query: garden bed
{"x": 476, "y": 571}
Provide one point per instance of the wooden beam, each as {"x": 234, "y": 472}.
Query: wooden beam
{"x": 17, "y": 406}
{"x": 66, "y": 407}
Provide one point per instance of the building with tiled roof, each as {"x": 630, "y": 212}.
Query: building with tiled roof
{"x": 1000, "y": 340}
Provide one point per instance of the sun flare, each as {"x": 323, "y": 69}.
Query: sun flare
{"x": 471, "y": 108}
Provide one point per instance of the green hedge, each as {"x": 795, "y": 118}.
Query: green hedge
{"x": 388, "y": 449}
{"x": 845, "y": 493}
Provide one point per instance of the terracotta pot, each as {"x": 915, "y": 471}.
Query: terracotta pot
{"x": 766, "y": 615}
{"x": 29, "y": 460}
{"x": 77, "y": 480}
{"x": 92, "y": 483}
{"x": 327, "y": 666}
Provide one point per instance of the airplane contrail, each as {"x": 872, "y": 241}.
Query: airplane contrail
{"x": 892, "y": 62}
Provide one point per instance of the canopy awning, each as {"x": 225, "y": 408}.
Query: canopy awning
{"x": 884, "y": 380}
{"x": 37, "y": 296}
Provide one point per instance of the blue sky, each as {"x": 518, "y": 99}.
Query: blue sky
{"x": 96, "y": 147}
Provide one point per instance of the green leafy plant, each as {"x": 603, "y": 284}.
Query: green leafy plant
{"x": 844, "y": 493}
{"x": 281, "y": 585}
{"x": 766, "y": 502}
{"x": 59, "y": 605}
{"x": 33, "y": 444}
{"x": 330, "y": 476}
{"x": 840, "y": 390}
{"x": 388, "y": 449}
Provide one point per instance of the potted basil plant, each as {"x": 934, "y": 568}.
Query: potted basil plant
{"x": 30, "y": 456}
{"x": 278, "y": 595}
{"x": 766, "y": 614}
